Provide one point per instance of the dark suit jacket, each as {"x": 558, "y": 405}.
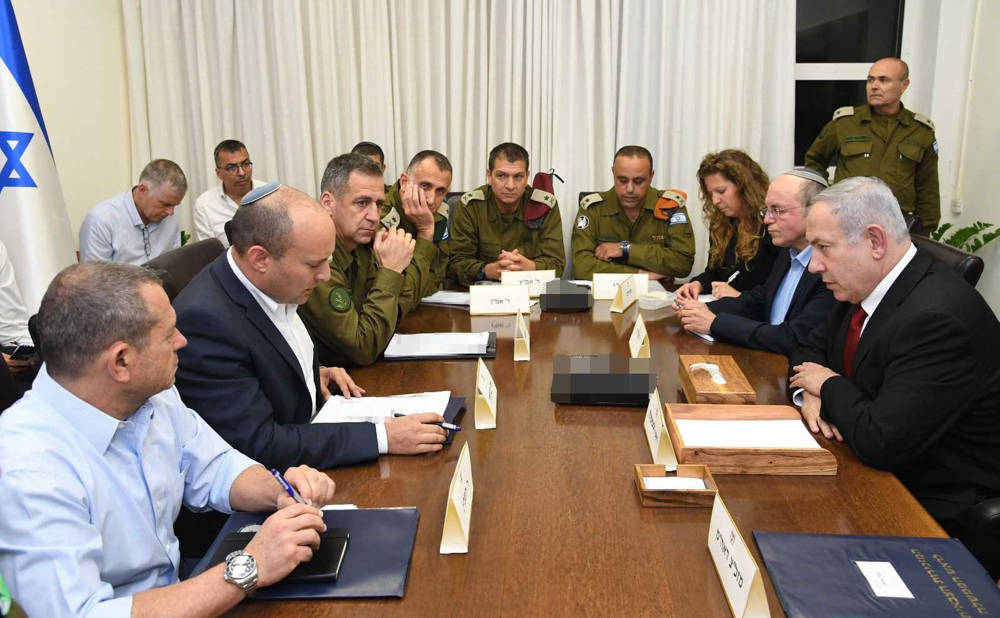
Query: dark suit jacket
{"x": 238, "y": 372}
{"x": 924, "y": 399}
{"x": 746, "y": 319}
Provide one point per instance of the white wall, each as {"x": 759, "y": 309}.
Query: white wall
{"x": 978, "y": 173}
{"x": 76, "y": 52}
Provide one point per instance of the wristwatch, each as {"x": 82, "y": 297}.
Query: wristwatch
{"x": 625, "y": 246}
{"x": 241, "y": 569}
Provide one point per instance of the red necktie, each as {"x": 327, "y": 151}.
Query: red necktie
{"x": 853, "y": 336}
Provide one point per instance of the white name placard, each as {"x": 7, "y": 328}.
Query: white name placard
{"x": 638, "y": 343}
{"x": 522, "y": 339}
{"x": 535, "y": 280}
{"x": 606, "y": 284}
{"x": 735, "y": 565}
{"x": 626, "y": 294}
{"x": 660, "y": 446}
{"x": 458, "y": 511}
{"x": 486, "y": 398}
{"x": 498, "y": 299}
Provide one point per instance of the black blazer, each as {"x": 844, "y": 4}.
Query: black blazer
{"x": 238, "y": 372}
{"x": 752, "y": 273}
{"x": 924, "y": 399}
{"x": 745, "y": 320}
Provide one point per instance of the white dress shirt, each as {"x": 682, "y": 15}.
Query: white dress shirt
{"x": 286, "y": 319}
{"x": 212, "y": 210}
{"x": 13, "y": 313}
{"x": 871, "y": 302}
{"x": 113, "y": 231}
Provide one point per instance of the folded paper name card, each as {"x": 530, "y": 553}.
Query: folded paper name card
{"x": 660, "y": 447}
{"x": 627, "y": 293}
{"x": 638, "y": 343}
{"x": 606, "y": 284}
{"x": 688, "y": 485}
{"x": 522, "y": 339}
{"x": 737, "y": 570}
{"x": 562, "y": 295}
{"x": 713, "y": 379}
{"x": 534, "y": 280}
{"x": 486, "y": 398}
{"x": 602, "y": 380}
{"x": 458, "y": 511}
{"x": 498, "y": 299}
{"x": 746, "y": 439}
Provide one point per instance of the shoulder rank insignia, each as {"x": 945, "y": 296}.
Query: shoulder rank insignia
{"x": 391, "y": 219}
{"x": 669, "y": 201}
{"x": 590, "y": 199}
{"x": 843, "y": 112}
{"x": 475, "y": 194}
{"x": 924, "y": 120}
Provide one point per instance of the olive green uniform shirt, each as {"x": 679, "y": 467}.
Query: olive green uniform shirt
{"x": 352, "y": 316}
{"x": 902, "y": 151}
{"x": 392, "y": 215}
{"x": 479, "y": 231}
{"x": 658, "y": 245}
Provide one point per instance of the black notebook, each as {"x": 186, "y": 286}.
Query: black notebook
{"x": 325, "y": 563}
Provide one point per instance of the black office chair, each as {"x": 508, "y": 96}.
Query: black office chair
{"x": 228, "y": 229}
{"x": 982, "y": 535}
{"x": 965, "y": 265}
{"x": 452, "y": 198}
{"x": 9, "y": 392}
{"x": 913, "y": 223}
{"x": 178, "y": 267}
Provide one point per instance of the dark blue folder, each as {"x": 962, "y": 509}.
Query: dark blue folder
{"x": 817, "y": 575}
{"x": 375, "y": 565}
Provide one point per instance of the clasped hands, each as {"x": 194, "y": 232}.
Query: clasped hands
{"x": 810, "y": 377}
{"x": 508, "y": 260}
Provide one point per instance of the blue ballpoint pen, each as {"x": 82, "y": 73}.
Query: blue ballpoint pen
{"x": 288, "y": 488}
{"x": 441, "y": 425}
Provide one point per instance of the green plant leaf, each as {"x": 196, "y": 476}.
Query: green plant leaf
{"x": 938, "y": 233}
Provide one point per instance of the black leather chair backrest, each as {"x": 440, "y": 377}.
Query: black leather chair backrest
{"x": 178, "y": 267}
{"x": 966, "y": 265}
{"x": 452, "y": 198}
{"x": 228, "y": 229}
{"x": 912, "y": 223}
{"x": 982, "y": 535}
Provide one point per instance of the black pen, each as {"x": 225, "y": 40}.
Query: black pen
{"x": 441, "y": 425}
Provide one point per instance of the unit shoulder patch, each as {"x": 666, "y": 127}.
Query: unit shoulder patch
{"x": 582, "y": 222}
{"x": 339, "y": 299}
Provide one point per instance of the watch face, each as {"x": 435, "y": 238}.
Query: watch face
{"x": 240, "y": 566}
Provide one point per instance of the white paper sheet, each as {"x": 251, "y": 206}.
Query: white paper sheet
{"x": 426, "y": 345}
{"x": 447, "y": 297}
{"x": 377, "y": 409}
{"x": 746, "y": 434}
{"x": 884, "y": 579}
{"x": 662, "y": 483}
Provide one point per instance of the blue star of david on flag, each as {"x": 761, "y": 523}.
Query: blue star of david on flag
{"x": 14, "y": 174}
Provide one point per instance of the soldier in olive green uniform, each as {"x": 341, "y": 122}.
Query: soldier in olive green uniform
{"x": 884, "y": 139}
{"x": 483, "y": 233}
{"x": 431, "y": 172}
{"x": 657, "y": 242}
{"x": 352, "y": 316}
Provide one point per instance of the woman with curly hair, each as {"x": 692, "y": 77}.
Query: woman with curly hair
{"x": 732, "y": 191}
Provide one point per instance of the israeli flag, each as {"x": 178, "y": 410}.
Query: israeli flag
{"x": 33, "y": 221}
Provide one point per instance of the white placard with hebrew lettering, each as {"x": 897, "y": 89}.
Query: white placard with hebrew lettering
{"x": 486, "y": 398}
{"x": 522, "y": 339}
{"x": 660, "y": 446}
{"x": 535, "y": 280}
{"x": 606, "y": 284}
{"x": 638, "y": 343}
{"x": 626, "y": 294}
{"x": 498, "y": 299}
{"x": 737, "y": 570}
{"x": 458, "y": 511}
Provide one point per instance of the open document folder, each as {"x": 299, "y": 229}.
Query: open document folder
{"x": 441, "y": 345}
{"x": 337, "y": 409}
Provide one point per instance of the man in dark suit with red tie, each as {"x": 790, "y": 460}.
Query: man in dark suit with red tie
{"x": 905, "y": 369}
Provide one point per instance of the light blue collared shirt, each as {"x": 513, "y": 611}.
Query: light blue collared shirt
{"x": 87, "y": 502}
{"x": 786, "y": 290}
{"x": 113, "y": 231}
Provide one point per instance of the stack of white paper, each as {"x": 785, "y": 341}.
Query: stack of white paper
{"x": 667, "y": 483}
{"x": 746, "y": 434}
{"x": 337, "y": 409}
{"x": 447, "y": 297}
{"x": 430, "y": 345}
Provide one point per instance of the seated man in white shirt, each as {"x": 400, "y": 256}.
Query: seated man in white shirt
{"x": 138, "y": 225}
{"x": 215, "y": 207}
{"x": 97, "y": 458}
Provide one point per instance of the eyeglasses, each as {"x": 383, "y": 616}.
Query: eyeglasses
{"x": 246, "y": 166}
{"x": 776, "y": 211}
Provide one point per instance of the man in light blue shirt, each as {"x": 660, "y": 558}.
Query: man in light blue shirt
{"x": 777, "y": 314}
{"x": 96, "y": 460}
{"x": 138, "y": 225}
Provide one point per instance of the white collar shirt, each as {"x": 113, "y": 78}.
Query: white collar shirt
{"x": 874, "y": 298}
{"x": 113, "y": 232}
{"x": 212, "y": 210}
{"x": 13, "y": 313}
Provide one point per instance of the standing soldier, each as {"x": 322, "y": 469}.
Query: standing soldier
{"x": 884, "y": 139}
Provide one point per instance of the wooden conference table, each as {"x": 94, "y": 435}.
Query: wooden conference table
{"x": 557, "y": 527}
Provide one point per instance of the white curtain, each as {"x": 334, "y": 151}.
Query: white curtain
{"x": 300, "y": 81}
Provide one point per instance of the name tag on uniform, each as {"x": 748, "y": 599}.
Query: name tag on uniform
{"x": 458, "y": 511}
{"x": 606, "y": 284}
{"x": 535, "y": 280}
{"x": 498, "y": 299}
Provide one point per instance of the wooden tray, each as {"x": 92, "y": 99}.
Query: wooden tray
{"x": 676, "y": 497}
{"x": 698, "y": 385}
{"x": 751, "y": 460}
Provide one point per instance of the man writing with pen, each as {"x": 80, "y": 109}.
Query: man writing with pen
{"x": 777, "y": 314}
